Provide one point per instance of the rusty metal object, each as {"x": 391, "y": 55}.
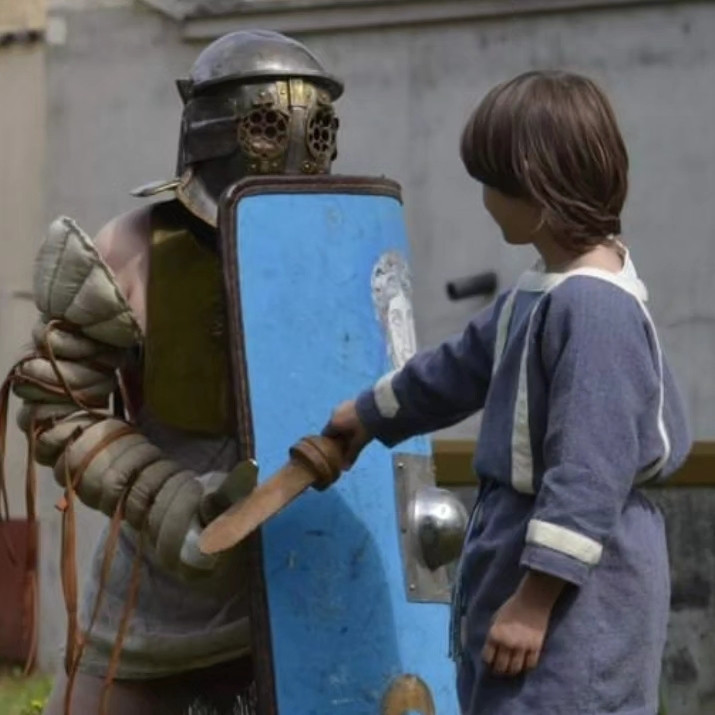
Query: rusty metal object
{"x": 408, "y": 695}
{"x": 18, "y": 594}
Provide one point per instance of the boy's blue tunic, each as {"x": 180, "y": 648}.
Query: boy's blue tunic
{"x": 580, "y": 409}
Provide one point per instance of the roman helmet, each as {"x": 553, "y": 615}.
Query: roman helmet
{"x": 255, "y": 102}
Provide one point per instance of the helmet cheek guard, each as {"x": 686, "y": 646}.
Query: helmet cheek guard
{"x": 208, "y": 129}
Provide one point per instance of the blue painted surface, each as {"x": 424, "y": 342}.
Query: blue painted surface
{"x": 341, "y": 624}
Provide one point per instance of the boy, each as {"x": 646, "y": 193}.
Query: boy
{"x": 562, "y": 597}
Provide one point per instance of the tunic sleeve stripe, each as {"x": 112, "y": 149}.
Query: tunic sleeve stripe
{"x": 559, "y": 538}
{"x": 522, "y": 467}
{"x": 503, "y": 328}
{"x": 385, "y": 397}
{"x": 638, "y": 291}
{"x": 656, "y": 468}
{"x": 522, "y": 461}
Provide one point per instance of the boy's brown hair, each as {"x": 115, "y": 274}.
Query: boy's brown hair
{"x": 552, "y": 138}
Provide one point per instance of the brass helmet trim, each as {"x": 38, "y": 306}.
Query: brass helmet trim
{"x": 255, "y": 102}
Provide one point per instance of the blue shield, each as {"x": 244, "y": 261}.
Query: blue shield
{"x": 347, "y": 621}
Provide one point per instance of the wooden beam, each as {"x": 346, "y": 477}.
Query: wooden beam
{"x": 320, "y": 16}
{"x": 453, "y": 463}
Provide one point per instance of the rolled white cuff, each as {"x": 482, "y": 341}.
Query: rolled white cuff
{"x": 559, "y": 538}
{"x": 385, "y": 398}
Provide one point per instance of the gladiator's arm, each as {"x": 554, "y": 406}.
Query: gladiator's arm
{"x": 86, "y": 332}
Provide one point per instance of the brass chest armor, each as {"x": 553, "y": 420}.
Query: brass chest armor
{"x": 186, "y": 365}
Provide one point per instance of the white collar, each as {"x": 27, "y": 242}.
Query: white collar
{"x": 538, "y": 280}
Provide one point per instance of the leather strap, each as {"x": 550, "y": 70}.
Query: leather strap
{"x": 58, "y": 325}
{"x": 32, "y": 590}
{"x": 106, "y": 441}
{"x": 129, "y": 606}
{"x": 29, "y": 610}
{"x": 68, "y": 573}
{"x": 4, "y": 504}
{"x": 107, "y": 558}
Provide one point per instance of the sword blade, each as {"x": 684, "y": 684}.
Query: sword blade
{"x": 261, "y": 504}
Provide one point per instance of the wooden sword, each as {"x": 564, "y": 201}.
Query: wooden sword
{"x": 314, "y": 462}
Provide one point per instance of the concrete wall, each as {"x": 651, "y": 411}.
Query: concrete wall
{"x": 113, "y": 118}
{"x": 22, "y": 154}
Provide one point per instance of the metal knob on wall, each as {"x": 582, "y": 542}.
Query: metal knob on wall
{"x": 481, "y": 284}
{"x": 439, "y": 521}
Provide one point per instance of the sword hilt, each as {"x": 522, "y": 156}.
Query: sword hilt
{"x": 321, "y": 456}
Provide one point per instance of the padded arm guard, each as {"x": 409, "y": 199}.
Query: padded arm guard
{"x": 85, "y": 333}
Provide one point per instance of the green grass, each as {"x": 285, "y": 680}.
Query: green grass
{"x": 21, "y": 695}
